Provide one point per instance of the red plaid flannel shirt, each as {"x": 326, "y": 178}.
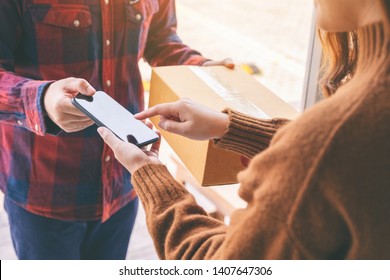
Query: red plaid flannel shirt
{"x": 74, "y": 176}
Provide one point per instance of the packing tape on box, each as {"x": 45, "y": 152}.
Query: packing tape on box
{"x": 232, "y": 96}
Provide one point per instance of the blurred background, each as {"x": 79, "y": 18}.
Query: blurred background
{"x": 271, "y": 35}
{"x": 269, "y": 39}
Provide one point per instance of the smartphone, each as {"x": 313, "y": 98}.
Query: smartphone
{"x": 107, "y": 112}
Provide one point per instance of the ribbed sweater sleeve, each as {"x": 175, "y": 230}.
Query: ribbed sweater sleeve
{"x": 156, "y": 186}
{"x": 247, "y": 135}
{"x": 173, "y": 217}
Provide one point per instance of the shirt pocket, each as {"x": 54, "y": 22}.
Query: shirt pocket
{"x": 62, "y": 38}
{"x": 139, "y": 14}
{"x": 69, "y": 16}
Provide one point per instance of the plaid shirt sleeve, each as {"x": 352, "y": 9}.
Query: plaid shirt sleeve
{"x": 20, "y": 97}
{"x": 163, "y": 46}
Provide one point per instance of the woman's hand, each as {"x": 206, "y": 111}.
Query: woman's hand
{"x": 189, "y": 119}
{"x": 129, "y": 155}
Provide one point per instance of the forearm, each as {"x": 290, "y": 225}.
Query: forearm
{"x": 247, "y": 135}
{"x": 173, "y": 53}
{"x": 174, "y": 219}
{"x": 181, "y": 229}
{"x": 163, "y": 46}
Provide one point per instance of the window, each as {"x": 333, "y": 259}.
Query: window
{"x": 273, "y": 35}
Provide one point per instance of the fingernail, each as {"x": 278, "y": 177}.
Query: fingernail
{"x": 162, "y": 125}
{"x": 100, "y": 131}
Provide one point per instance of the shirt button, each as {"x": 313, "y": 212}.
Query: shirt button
{"x": 108, "y": 83}
{"x": 108, "y": 42}
{"x": 19, "y": 122}
{"x": 76, "y": 23}
{"x": 138, "y": 17}
{"x": 36, "y": 127}
{"x": 107, "y": 2}
{"x": 107, "y": 159}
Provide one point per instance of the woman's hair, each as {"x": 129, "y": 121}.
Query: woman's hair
{"x": 341, "y": 51}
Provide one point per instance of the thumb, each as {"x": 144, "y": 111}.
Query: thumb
{"x": 82, "y": 86}
{"x": 109, "y": 138}
{"x": 172, "y": 126}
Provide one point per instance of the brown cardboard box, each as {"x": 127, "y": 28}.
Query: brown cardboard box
{"x": 215, "y": 87}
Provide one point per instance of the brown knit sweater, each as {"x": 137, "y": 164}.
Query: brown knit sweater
{"x": 321, "y": 190}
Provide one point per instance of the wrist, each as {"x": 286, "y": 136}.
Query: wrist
{"x": 221, "y": 125}
{"x": 43, "y": 98}
{"x": 139, "y": 164}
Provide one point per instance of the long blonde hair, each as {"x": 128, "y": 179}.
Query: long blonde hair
{"x": 341, "y": 51}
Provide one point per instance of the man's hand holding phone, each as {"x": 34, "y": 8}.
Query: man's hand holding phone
{"x": 57, "y": 103}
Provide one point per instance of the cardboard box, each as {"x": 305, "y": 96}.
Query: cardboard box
{"x": 215, "y": 87}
